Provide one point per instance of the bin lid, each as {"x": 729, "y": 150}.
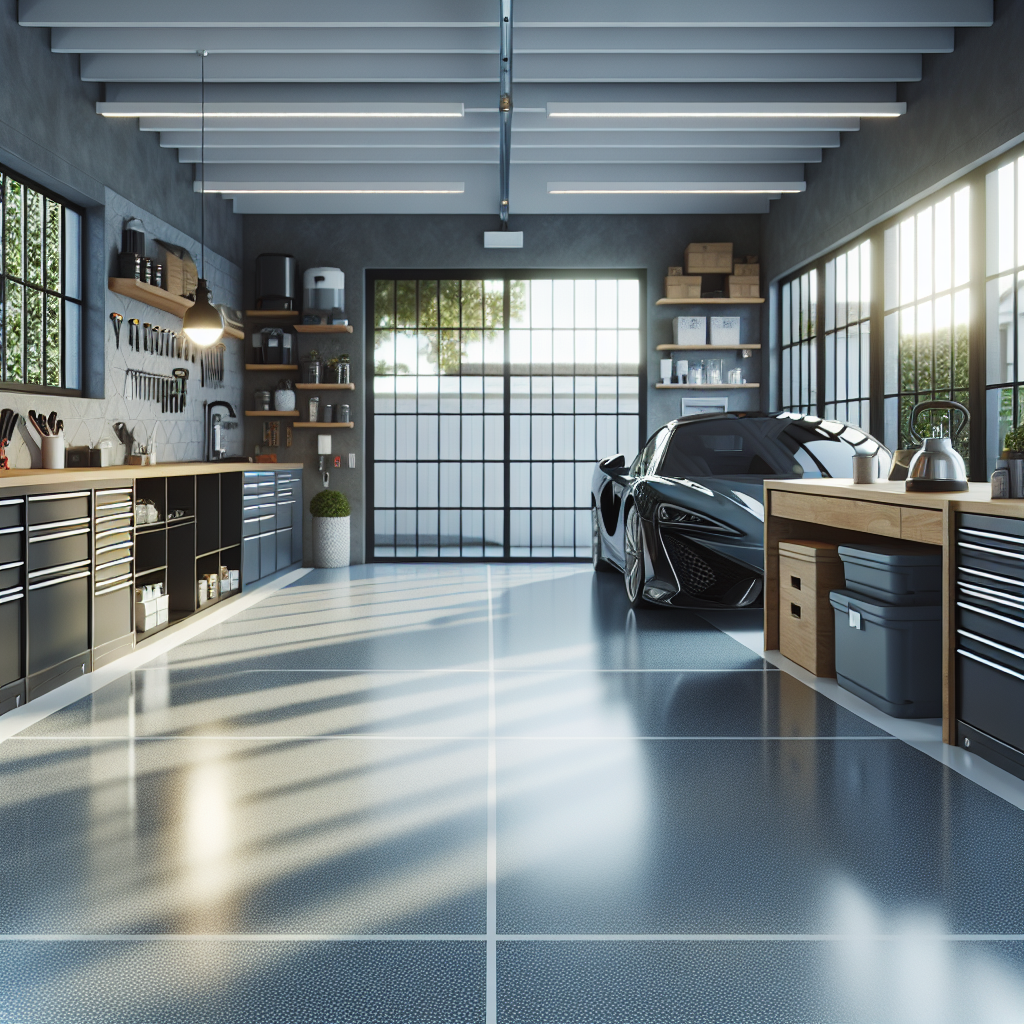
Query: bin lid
{"x": 904, "y": 553}
{"x": 881, "y": 613}
{"x": 810, "y": 550}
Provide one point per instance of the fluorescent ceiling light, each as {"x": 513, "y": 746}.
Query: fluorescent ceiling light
{"x": 346, "y": 188}
{"x": 683, "y": 110}
{"x": 290, "y": 110}
{"x": 503, "y": 239}
{"x": 672, "y": 188}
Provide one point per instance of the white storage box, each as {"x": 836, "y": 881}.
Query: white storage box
{"x": 323, "y": 288}
{"x": 203, "y": 592}
{"x": 725, "y": 330}
{"x": 151, "y": 613}
{"x": 690, "y": 330}
{"x": 233, "y": 579}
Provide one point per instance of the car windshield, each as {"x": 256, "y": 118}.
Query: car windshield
{"x": 753, "y": 449}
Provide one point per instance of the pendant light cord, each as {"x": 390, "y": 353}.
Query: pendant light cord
{"x": 202, "y": 164}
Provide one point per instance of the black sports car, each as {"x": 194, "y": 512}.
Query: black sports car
{"x": 685, "y": 522}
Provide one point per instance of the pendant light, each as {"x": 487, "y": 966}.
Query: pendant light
{"x": 203, "y": 323}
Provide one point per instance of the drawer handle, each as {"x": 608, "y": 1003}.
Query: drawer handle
{"x": 63, "y": 579}
{"x": 990, "y": 664}
{"x": 991, "y": 551}
{"x": 13, "y": 597}
{"x": 58, "y": 525}
{"x": 57, "y": 569}
{"x": 992, "y": 576}
{"x": 11, "y": 590}
{"x": 57, "y": 536}
{"x": 113, "y": 547}
{"x": 120, "y": 584}
{"x": 11, "y": 565}
{"x": 990, "y": 615}
{"x": 114, "y": 490}
{"x": 12, "y": 529}
{"x": 990, "y": 643}
{"x": 58, "y": 497}
{"x": 794, "y": 610}
{"x": 1006, "y": 538}
{"x": 10, "y": 501}
{"x": 794, "y": 582}
{"x": 1006, "y": 600}
{"x": 115, "y": 561}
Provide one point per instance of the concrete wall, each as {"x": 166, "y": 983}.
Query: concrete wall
{"x": 968, "y": 105}
{"x": 444, "y": 243}
{"x": 49, "y": 130}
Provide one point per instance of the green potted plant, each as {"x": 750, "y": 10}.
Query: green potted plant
{"x": 1013, "y": 452}
{"x": 313, "y": 367}
{"x": 331, "y": 533}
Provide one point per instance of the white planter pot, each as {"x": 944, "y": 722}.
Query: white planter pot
{"x": 284, "y": 400}
{"x": 331, "y": 541}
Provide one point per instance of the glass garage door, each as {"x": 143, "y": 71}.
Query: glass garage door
{"x": 492, "y": 399}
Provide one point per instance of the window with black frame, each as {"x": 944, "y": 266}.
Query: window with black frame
{"x": 40, "y": 289}
{"x": 848, "y": 336}
{"x": 799, "y": 350}
{"x": 492, "y": 399}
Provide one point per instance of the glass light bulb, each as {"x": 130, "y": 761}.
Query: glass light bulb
{"x": 203, "y": 323}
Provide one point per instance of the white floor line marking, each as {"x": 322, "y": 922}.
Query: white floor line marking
{"x": 35, "y": 711}
{"x": 469, "y": 738}
{"x": 492, "y": 818}
{"x": 516, "y": 671}
{"x": 491, "y": 939}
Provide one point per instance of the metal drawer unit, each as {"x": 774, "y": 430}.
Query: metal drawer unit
{"x": 59, "y": 574}
{"x": 114, "y": 576}
{"x": 990, "y": 638}
{"x": 259, "y": 517}
{"x": 12, "y": 603}
{"x": 289, "y": 495}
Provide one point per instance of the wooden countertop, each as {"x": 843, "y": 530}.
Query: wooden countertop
{"x": 16, "y": 479}
{"x": 977, "y": 498}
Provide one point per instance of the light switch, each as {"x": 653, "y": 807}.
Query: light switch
{"x": 351, "y": 460}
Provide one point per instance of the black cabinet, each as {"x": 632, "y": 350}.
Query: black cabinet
{"x": 250, "y": 560}
{"x": 58, "y": 631}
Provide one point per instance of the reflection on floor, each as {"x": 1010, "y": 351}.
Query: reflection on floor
{"x": 469, "y": 793}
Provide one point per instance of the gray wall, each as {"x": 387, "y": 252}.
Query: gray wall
{"x": 359, "y": 243}
{"x": 50, "y": 131}
{"x": 968, "y": 105}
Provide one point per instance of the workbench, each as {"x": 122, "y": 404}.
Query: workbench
{"x": 840, "y": 511}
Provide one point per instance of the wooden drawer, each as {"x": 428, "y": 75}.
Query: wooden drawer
{"x": 923, "y": 525}
{"x": 841, "y": 513}
{"x": 806, "y": 621}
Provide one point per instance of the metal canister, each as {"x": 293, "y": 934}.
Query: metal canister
{"x": 147, "y": 270}
{"x": 158, "y": 275}
{"x": 341, "y": 414}
{"x": 263, "y": 399}
{"x": 129, "y": 264}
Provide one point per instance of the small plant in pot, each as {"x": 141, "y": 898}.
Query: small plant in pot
{"x": 1013, "y": 443}
{"x": 334, "y": 371}
{"x": 284, "y": 396}
{"x": 331, "y": 534}
{"x": 313, "y": 367}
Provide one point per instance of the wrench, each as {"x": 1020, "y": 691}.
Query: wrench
{"x": 115, "y": 319}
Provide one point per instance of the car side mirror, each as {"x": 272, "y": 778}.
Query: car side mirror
{"x": 614, "y": 465}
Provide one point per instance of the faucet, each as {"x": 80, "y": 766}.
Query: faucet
{"x": 215, "y": 449}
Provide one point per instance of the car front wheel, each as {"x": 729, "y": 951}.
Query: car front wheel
{"x": 635, "y": 572}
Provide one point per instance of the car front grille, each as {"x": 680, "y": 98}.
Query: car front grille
{"x": 703, "y": 573}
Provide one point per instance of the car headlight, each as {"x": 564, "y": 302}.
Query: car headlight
{"x": 673, "y": 515}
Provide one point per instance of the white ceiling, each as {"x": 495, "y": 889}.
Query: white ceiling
{"x": 732, "y": 61}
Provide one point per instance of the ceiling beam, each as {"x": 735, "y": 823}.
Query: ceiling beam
{"x": 415, "y": 68}
{"x": 468, "y": 13}
{"x": 524, "y": 139}
{"x": 482, "y": 40}
{"x": 458, "y": 154}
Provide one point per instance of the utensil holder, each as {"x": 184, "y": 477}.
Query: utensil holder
{"x": 865, "y": 469}
{"x": 53, "y": 451}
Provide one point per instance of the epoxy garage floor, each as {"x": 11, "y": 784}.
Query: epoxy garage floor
{"x": 447, "y": 794}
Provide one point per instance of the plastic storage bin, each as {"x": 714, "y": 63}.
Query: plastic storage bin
{"x": 898, "y": 573}
{"x": 890, "y": 655}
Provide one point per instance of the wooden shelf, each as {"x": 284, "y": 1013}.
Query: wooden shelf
{"x": 708, "y": 302}
{"x": 274, "y": 367}
{"x": 280, "y": 315}
{"x": 323, "y": 328}
{"x": 233, "y": 332}
{"x": 131, "y": 288}
{"x": 324, "y": 426}
{"x": 272, "y": 414}
{"x": 703, "y": 348}
{"x": 703, "y": 387}
{"x": 325, "y": 387}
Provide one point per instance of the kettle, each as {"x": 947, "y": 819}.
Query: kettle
{"x": 937, "y": 465}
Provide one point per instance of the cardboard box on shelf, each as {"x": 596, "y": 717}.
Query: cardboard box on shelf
{"x": 743, "y": 287}
{"x": 708, "y": 258}
{"x": 747, "y": 270}
{"x": 180, "y": 276}
{"x": 151, "y": 613}
{"x": 725, "y": 330}
{"x": 675, "y": 271}
{"x": 679, "y": 287}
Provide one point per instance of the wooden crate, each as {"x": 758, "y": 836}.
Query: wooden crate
{"x": 747, "y": 270}
{"x": 808, "y": 571}
{"x": 680, "y": 287}
{"x": 743, "y": 287}
{"x": 708, "y": 258}
{"x": 675, "y": 271}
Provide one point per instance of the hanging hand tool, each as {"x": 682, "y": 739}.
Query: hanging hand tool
{"x": 182, "y": 374}
{"x": 145, "y": 337}
{"x": 133, "y": 333}
{"x": 115, "y": 319}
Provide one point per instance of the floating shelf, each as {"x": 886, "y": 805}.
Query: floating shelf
{"x": 233, "y": 332}
{"x": 130, "y": 287}
{"x": 708, "y": 302}
{"x": 325, "y": 387}
{"x": 703, "y": 348}
{"x": 324, "y": 426}
{"x": 274, "y": 367}
{"x": 324, "y": 328}
{"x": 272, "y": 314}
{"x": 704, "y": 387}
{"x": 273, "y": 414}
